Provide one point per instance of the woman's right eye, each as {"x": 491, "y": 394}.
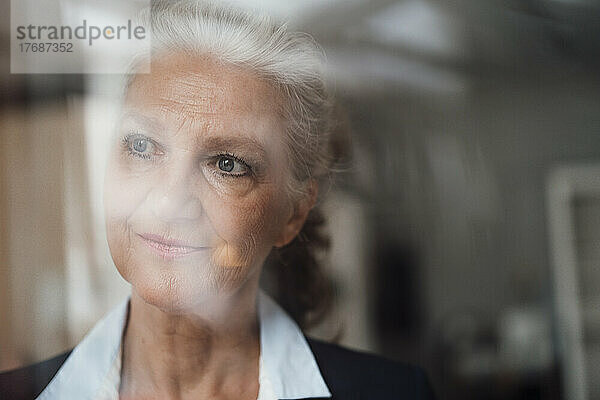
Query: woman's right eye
{"x": 141, "y": 146}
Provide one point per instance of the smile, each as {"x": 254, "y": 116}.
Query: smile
{"x": 168, "y": 248}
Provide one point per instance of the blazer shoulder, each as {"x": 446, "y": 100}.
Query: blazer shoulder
{"x": 28, "y": 382}
{"x": 357, "y": 374}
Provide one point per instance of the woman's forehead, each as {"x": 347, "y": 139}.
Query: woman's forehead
{"x": 199, "y": 86}
{"x": 203, "y": 97}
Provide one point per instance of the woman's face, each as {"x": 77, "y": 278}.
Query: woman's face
{"x": 194, "y": 193}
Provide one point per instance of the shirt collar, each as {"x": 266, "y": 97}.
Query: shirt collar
{"x": 287, "y": 359}
{"x": 287, "y": 365}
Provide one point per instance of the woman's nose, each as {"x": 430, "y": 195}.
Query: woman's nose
{"x": 174, "y": 198}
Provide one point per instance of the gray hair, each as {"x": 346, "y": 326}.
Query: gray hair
{"x": 291, "y": 61}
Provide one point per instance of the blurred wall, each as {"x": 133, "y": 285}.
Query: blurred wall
{"x": 33, "y": 231}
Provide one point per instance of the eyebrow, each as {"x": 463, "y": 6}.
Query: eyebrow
{"x": 234, "y": 143}
{"x": 142, "y": 119}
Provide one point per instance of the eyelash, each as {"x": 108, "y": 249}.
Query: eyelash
{"x": 126, "y": 142}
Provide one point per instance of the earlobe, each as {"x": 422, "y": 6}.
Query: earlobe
{"x": 298, "y": 216}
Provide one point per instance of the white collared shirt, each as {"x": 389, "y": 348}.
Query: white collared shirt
{"x": 287, "y": 367}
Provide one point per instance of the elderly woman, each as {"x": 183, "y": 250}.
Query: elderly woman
{"x": 215, "y": 168}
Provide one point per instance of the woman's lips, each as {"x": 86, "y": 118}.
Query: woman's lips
{"x": 168, "y": 248}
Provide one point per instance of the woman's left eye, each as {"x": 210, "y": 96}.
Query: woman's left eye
{"x": 229, "y": 165}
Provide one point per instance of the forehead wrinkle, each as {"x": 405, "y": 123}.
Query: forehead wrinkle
{"x": 204, "y": 81}
{"x": 187, "y": 99}
{"x": 204, "y": 93}
{"x": 197, "y": 88}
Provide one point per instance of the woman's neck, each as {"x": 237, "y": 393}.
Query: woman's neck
{"x": 211, "y": 354}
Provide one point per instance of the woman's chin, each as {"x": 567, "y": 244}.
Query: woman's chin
{"x": 183, "y": 287}
{"x": 172, "y": 296}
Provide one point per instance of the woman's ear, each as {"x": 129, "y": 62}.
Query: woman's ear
{"x": 299, "y": 214}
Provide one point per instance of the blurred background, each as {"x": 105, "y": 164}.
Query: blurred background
{"x": 466, "y": 233}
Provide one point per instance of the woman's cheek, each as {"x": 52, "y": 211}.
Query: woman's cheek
{"x": 125, "y": 187}
{"x": 229, "y": 255}
{"x": 123, "y": 193}
{"x": 243, "y": 235}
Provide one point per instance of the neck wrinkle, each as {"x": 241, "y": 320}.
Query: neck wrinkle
{"x": 177, "y": 355}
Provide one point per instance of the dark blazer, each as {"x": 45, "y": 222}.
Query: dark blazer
{"x": 350, "y": 375}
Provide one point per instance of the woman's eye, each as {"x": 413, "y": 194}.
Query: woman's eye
{"x": 232, "y": 166}
{"x": 141, "y": 146}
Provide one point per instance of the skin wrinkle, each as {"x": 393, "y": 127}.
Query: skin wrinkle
{"x": 198, "y": 310}
{"x": 193, "y": 97}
